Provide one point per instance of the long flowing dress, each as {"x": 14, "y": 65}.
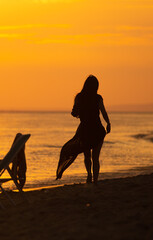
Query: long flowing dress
{"x": 89, "y": 134}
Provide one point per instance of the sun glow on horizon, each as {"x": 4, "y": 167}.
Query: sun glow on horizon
{"x": 49, "y": 47}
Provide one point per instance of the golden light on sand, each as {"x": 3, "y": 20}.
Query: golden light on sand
{"x": 52, "y": 46}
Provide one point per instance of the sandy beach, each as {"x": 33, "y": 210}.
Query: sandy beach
{"x": 115, "y": 209}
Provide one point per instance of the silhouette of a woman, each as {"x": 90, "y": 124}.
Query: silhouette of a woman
{"x": 90, "y": 133}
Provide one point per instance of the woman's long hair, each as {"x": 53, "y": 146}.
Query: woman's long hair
{"x": 90, "y": 86}
{"x": 87, "y": 97}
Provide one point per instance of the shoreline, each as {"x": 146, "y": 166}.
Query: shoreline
{"x": 116, "y": 209}
{"x": 81, "y": 178}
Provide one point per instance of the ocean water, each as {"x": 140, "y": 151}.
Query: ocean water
{"x": 127, "y": 150}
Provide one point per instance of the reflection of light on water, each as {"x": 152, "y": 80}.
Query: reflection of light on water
{"x": 121, "y": 155}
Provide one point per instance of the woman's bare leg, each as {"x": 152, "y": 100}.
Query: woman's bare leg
{"x": 95, "y": 158}
{"x": 87, "y": 162}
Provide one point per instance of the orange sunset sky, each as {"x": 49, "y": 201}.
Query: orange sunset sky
{"x": 49, "y": 47}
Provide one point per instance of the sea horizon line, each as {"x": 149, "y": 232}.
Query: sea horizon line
{"x": 69, "y": 111}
